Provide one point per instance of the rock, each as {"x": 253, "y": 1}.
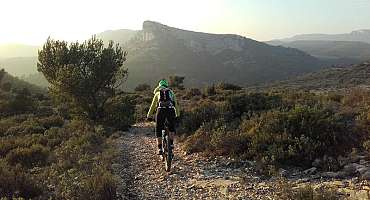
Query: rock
{"x": 225, "y": 191}
{"x": 363, "y": 162}
{"x": 363, "y": 170}
{"x": 283, "y": 172}
{"x": 339, "y": 174}
{"x": 343, "y": 161}
{"x": 359, "y": 195}
{"x": 350, "y": 169}
{"x": 353, "y": 168}
{"x": 355, "y": 194}
{"x": 310, "y": 171}
{"x": 316, "y": 163}
{"x": 366, "y": 175}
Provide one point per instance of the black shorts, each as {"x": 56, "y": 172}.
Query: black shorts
{"x": 163, "y": 115}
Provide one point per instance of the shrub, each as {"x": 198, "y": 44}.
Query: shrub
{"x": 142, "y": 87}
{"x": 287, "y": 191}
{"x": 13, "y": 180}
{"x": 300, "y": 135}
{"x": 100, "y": 186}
{"x": 210, "y": 90}
{"x": 27, "y": 127}
{"x": 120, "y": 112}
{"x": 36, "y": 155}
{"x": 22, "y": 102}
{"x": 5, "y": 124}
{"x": 176, "y": 82}
{"x": 44, "y": 111}
{"x": 217, "y": 138}
{"x": 228, "y": 86}
{"x": 52, "y": 121}
{"x": 239, "y": 105}
{"x": 204, "y": 112}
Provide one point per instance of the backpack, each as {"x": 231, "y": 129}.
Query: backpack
{"x": 165, "y": 98}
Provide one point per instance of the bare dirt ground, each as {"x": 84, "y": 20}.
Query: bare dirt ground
{"x": 142, "y": 176}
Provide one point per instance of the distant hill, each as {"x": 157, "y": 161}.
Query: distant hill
{"x": 336, "y": 52}
{"x": 333, "y": 78}
{"x": 356, "y": 36}
{"x": 19, "y": 66}
{"x": 121, "y": 36}
{"x": 18, "y": 84}
{"x": 17, "y": 50}
{"x": 158, "y": 51}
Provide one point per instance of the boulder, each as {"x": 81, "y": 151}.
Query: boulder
{"x": 310, "y": 171}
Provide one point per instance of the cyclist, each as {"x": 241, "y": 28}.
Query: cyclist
{"x": 165, "y": 104}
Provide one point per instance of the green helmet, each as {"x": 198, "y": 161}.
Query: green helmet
{"x": 163, "y": 83}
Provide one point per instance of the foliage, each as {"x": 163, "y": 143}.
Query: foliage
{"x": 142, "y": 87}
{"x": 15, "y": 181}
{"x": 299, "y": 135}
{"x": 86, "y": 74}
{"x": 176, "y": 82}
{"x": 227, "y": 86}
{"x": 287, "y": 191}
{"x": 36, "y": 155}
{"x": 120, "y": 112}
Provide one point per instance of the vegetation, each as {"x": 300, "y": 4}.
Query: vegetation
{"x": 284, "y": 127}
{"x": 48, "y": 150}
{"x": 86, "y": 75}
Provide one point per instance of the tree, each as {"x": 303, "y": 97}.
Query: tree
{"x": 7, "y": 86}
{"x": 177, "y": 82}
{"x": 2, "y": 74}
{"x": 85, "y": 74}
{"x": 22, "y": 102}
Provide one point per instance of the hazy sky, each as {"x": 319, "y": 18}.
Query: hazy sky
{"x": 32, "y": 21}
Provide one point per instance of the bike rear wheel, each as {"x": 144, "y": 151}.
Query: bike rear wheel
{"x": 168, "y": 159}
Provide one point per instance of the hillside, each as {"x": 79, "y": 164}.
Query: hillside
{"x": 17, "y": 50}
{"x": 334, "y": 78}
{"x": 19, "y": 84}
{"x": 158, "y": 51}
{"x": 121, "y": 36}
{"x": 358, "y": 36}
{"x": 19, "y": 66}
{"x": 335, "y": 52}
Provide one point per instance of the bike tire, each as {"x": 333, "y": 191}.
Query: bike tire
{"x": 168, "y": 155}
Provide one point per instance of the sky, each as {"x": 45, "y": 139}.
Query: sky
{"x": 32, "y": 21}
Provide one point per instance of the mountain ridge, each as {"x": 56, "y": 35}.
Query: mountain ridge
{"x": 362, "y": 35}
{"x": 206, "y": 58}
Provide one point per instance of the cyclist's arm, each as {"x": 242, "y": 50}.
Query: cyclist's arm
{"x": 153, "y": 106}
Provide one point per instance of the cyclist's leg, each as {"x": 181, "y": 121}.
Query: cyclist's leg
{"x": 160, "y": 119}
{"x": 171, "y": 115}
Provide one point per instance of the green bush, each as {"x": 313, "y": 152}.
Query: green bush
{"x": 228, "y": 86}
{"x": 249, "y": 104}
{"x": 14, "y": 181}
{"x": 52, "y": 121}
{"x": 203, "y": 112}
{"x": 300, "y": 135}
{"x": 36, "y": 155}
{"x": 27, "y": 127}
{"x": 192, "y": 92}
{"x": 100, "y": 186}
{"x": 217, "y": 138}
{"x": 120, "y": 112}
{"x": 142, "y": 87}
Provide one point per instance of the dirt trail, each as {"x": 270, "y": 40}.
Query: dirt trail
{"x": 192, "y": 177}
{"x": 142, "y": 176}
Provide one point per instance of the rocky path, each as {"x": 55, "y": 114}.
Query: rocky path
{"x": 142, "y": 175}
{"x": 192, "y": 176}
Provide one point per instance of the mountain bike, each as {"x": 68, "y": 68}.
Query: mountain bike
{"x": 167, "y": 155}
